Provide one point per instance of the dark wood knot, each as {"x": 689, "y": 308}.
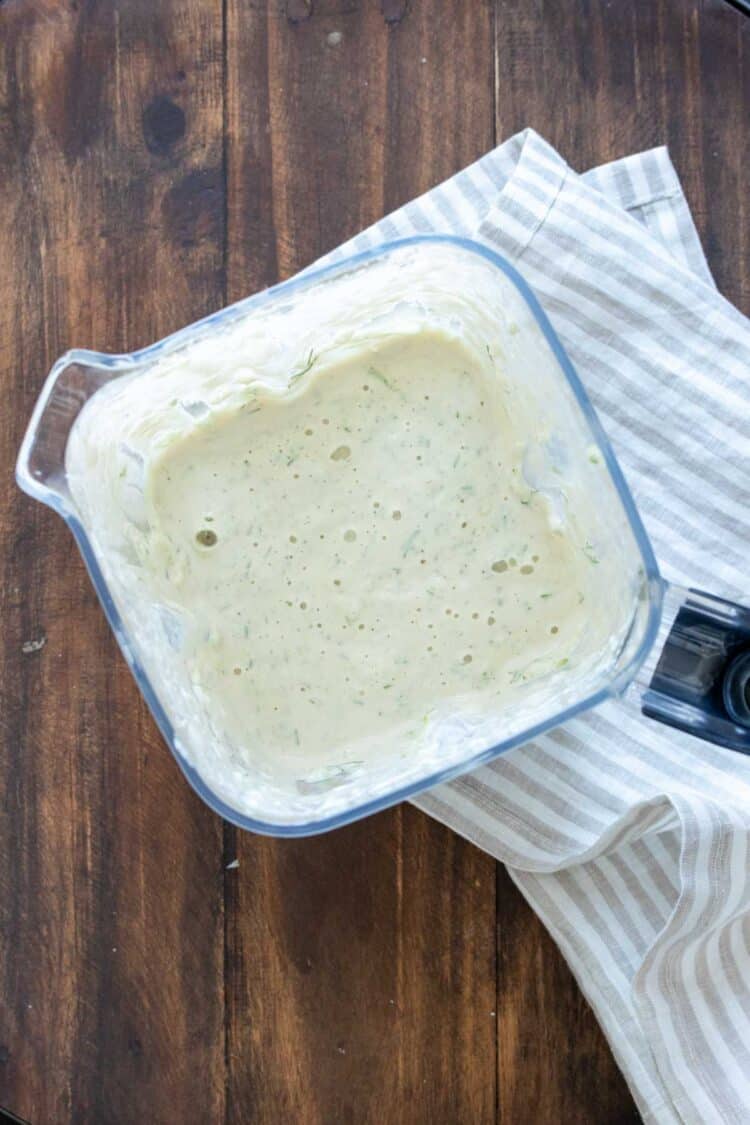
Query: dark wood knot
{"x": 163, "y": 124}
{"x": 297, "y": 11}
{"x": 393, "y": 11}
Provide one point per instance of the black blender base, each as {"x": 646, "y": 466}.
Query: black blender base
{"x": 702, "y": 681}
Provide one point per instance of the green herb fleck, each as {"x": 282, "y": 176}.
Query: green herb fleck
{"x": 373, "y": 371}
{"x": 410, "y": 542}
{"x": 311, "y": 361}
{"x": 588, "y": 551}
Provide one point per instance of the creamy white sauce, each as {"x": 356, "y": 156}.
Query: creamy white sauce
{"x": 358, "y": 534}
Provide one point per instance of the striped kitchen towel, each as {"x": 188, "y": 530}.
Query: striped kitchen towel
{"x": 629, "y": 839}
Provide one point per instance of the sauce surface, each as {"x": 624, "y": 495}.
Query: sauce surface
{"x": 354, "y": 537}
{"x": 365, "y": 551}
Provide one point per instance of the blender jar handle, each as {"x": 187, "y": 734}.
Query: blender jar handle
{"x": 697, "y": 675}
{"x": 74, "y": 379}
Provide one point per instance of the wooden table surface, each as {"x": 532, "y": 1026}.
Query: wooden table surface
{"x": 158, "y": 159}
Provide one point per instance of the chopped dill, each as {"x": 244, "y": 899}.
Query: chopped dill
{"x": 312, "y": 359}
{"x": 409, "y": 542}
{"x": 373, "y": 371}
{"x": 588, "y": 551}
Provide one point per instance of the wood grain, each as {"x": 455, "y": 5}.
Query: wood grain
{"x": 110, "y": 872}
{"x": 343, "y": 950}
{"x": 159, "y": 159}
{"x": 599, "y": 80}
{"x": 553, "y": 1061}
